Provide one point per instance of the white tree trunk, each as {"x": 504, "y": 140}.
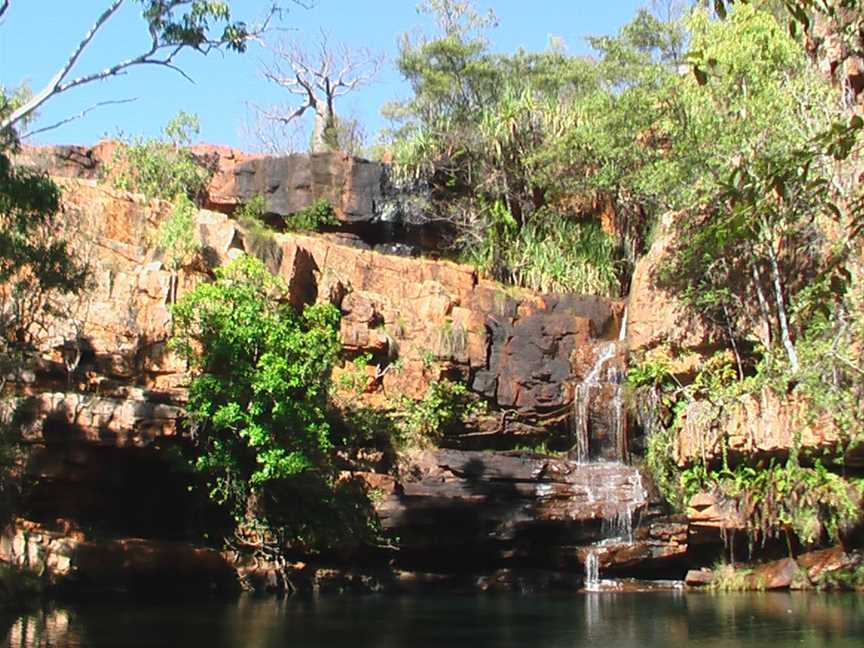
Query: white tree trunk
{"x": 781, "y": 310}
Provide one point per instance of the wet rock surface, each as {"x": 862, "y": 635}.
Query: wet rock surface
{"x": 500, "y": 509}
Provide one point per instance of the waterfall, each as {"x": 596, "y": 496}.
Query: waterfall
{"x": 592, "y": 571}
{"x": 622, "y": 334}
{"x": 619, "y": 527}
{"x": 582, "y": 403}
{"x": 616, "y": 530}
{"x": 617, "y": 414}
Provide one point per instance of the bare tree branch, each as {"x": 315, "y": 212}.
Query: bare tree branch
{"x": 78, "y": 116}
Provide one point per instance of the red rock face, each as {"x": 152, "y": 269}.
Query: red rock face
{"x": 68, "y": 161}
{"x": 760, "y": 427}
{"x": 108, "y": 395}
{"x": 836, "y": 44}
{"x": 656, "y": 317}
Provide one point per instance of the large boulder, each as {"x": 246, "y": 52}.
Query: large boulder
{"x": 113, "y": 564}
{"x": 470, "y": 509}
{"x": 69, "y": 161}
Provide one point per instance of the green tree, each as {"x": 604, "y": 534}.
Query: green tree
{"x": 518, "y": 148}
{"x": 35, "y": 265}
{"x": 756, "y": 185}
{"x": 258, "y": 399}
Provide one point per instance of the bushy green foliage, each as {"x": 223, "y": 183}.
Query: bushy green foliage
{"x": 755, "y": 239}
{"x": 176, "y": 239}
{"x": 312, "y": 218}
{"x": 258, "y": 237}
{"x": 258, "y": 400}
{"x": 34, "y": 260}
{"x": 729, "y": 578}
{"x": 252, "y": 211}
{"x": 162, "y": 168}
{"x": 444, "y": 407}
{"x": 532, "y": 142}
{"x": 797, "y": 496}
{"x": 36, "y": 265}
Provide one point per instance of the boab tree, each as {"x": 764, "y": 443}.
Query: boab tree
{"x": 319, "y": 77}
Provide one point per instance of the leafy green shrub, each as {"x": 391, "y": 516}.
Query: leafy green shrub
{"x": 660, "y": 462}
{"x": 814, "y": 503}
{"x": 728, "y": 578}
{"x": 311, "y": 219}
{"x": 252, "y": 211}
{"x": 444, "y": 407}
{"x": 258, "y": 398}
{"x": 162, "y": 168}
{"x": 355, "y": 378}
{"x": 258, "y": 237}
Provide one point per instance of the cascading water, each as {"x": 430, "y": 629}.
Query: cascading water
{"x": 622, "y": 334}
{"x": 583, "y": 394}
{"x": 599, "y": 428}
{"x": 616, "y": 529}
{"x": 592, "y": 571}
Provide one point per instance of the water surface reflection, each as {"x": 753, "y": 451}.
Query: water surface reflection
{"x": 596, "y": 619}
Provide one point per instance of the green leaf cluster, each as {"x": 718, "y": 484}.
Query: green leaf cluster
{"x": 258, "y": 401}
{"x": 35, "y": 262}
{"x": 443, "y": 409}
{"x": 812, "y": 502}
{"x": 312, "y": 218}
{"x": 176, "y": 235}
{"x": 190, "y": 22}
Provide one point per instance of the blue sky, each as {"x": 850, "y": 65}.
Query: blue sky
{"x": 37, "y": 36}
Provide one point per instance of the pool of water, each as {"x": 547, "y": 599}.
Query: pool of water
{"x": 609, "y": 620}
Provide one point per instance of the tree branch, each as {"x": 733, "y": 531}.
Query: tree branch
{"x": 161, "y": 42}
{"x": 322, "y": 76}
{"x": 53, "y": 86}
{"x": 81, "y": 114}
